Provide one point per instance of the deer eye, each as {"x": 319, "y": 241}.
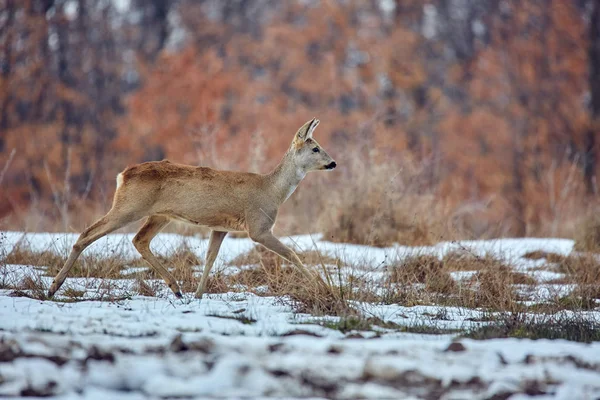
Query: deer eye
{"x": 316, "y": 150}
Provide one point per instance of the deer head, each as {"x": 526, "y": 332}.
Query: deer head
{"x": 307, "y": 153}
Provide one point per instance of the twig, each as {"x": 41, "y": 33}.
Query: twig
{"x": 7, "y": 165}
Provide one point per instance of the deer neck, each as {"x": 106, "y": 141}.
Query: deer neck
{"x": 286, "y": 177}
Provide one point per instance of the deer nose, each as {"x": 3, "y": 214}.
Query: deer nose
{"x": 331, "y": 165}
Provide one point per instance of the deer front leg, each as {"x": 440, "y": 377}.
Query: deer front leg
{"x": 272, "y": 243}
{"x": 214, "y": 244}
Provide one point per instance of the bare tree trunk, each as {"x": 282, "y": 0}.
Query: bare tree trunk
{"x": 518, "y": 194}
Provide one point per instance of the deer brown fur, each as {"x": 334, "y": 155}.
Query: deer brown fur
{"x": 224, "y": 201}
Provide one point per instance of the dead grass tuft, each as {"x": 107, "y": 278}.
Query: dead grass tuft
{"x": 142, "y": 288}
{"x": 583, "y": 270}
{"x": 308, "y": 295}
{"x": 392, "y": 202}
{"x": 73, "y": 294}
{"x": 541, "y": 326}
{"x": 33, "y": 286}
{"x": 261, "y": 255}
{"x": 492, "y": 287}
{"x": 255, "y": 256}
{"x": 184, "y": 265}
{"x": 588, "y": 236}
{"x": 21, "y": 255}
{"x": 216, "y": 283}
{"x": 544, "y": 255}
{"x": 464, "y": 260}
{"x": 425, "y": 269}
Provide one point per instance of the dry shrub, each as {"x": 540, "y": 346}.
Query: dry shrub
{"x": 313, "y": 257}
{"x": 105, "y": 267}
{"x": 94, "y": 266}
{"x": 308, "y": 294}
{"x": 491, "y": 287}
{"x": 544, "y": 255}
{"x": 426, "y": 269}
{"x": 582, "y": 268}
{"x": 382, "y": 202}
{"x": 31, "y": 287}
{"x": 257, "y": 255}
{"x": 465, "y": 260}
{"x": 86, "y": 265}
{"x": 494, "y": 288}
{"x": 143, "y": 289}
{"x": 73, "y": 294}
{"x": 260, "y": 254}
{"x": 216, "y": 283}
{"x": 311, "y": 295}
{"x": 584, "y": 271}
{"x": 182, "y": 264}
{"x": 504, "y": 274}
{"x": 588, "y": 235}
{"x": 21, "y": 255}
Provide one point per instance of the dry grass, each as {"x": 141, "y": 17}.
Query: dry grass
{"x": 32, "y": 285}
{"x": 143, "y": 288}
{"x": 544, "y": 255}
{"x": 465, "y": 260}
{"x": 494, "y": 288}
{"x": 588, "y": 236}
{"x": 382, "y": 204}
{"x": 308, "y": 295}
{"x": 421, "y": 279}
{"x": 86, "y": 266}
{"x": 183, "y": 264}
{"x": 22, "y": 255}
{"x": 583, "y": 270}
{"x": 425, "y": 269}
{"x": 425, "y": 279}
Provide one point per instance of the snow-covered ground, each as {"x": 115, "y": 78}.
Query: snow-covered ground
{"x": 238, "y": 344}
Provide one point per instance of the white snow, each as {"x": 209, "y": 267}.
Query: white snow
{"x": 240, "y": 344}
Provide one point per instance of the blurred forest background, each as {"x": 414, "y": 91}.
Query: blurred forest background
{"x": 447, "y": 118}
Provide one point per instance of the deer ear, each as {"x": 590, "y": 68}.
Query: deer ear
{"x": 306, "y": 131}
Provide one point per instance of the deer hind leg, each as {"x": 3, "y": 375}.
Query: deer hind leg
{"x": 109, "y": 223}
{"x": 214, "y": 244}
{"x": 142, "y": 240}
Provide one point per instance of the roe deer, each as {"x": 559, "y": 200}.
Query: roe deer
{"x": 224, "y": 201}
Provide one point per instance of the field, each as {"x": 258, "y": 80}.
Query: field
{"x": 499, "y": 319}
